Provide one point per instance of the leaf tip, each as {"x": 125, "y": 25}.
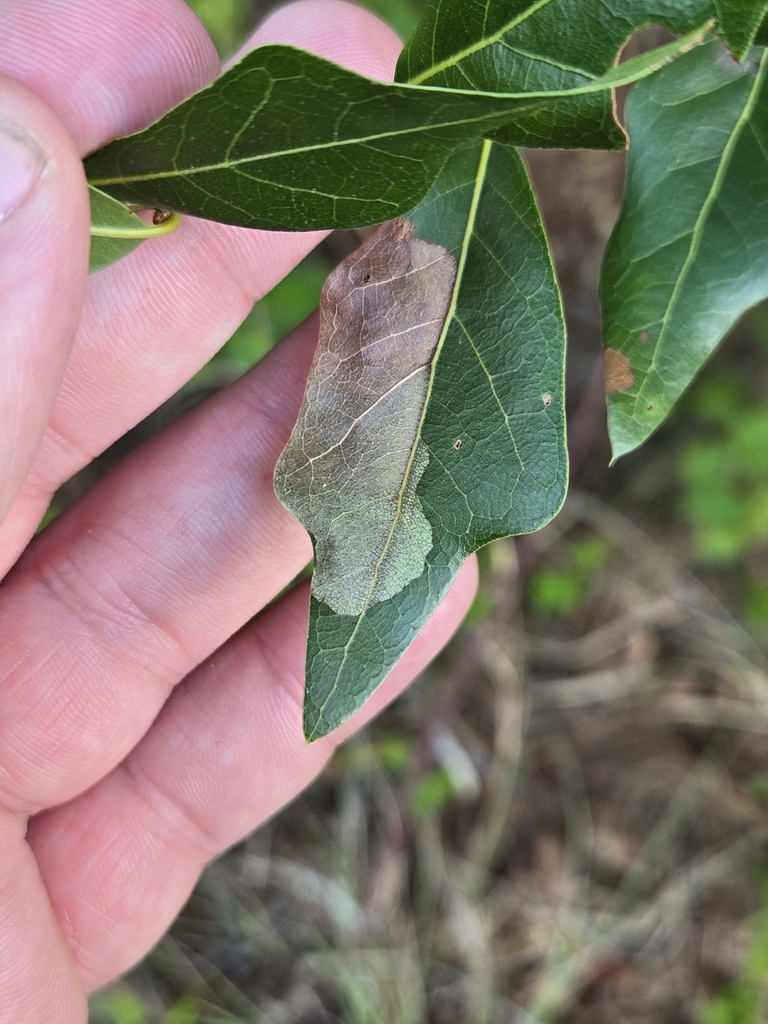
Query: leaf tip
{"x": 622, "y": 443}
{"x": 315, "y": 726}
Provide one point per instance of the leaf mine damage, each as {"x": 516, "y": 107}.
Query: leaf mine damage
{"x": 351, "y": 467}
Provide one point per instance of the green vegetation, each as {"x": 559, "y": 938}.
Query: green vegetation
{"x": 724, "y": 471}
{"x": 745, "y": 1001}
{"x": 559, "y": 590}
{"x": 226, "y": 20}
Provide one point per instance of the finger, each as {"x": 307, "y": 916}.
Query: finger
{"x": 140, "y": 581}
{"x": 103, "y": 76}
{"x": 156, "y": 317}
{"x": 43, "y": 266}
{"x": 334, "y": 29}
{"x": 225, "y": 754}
{"x": 39, "y": 980}
{"x": 106, "y": 71}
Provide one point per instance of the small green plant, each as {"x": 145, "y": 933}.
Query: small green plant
{"x": 184, "y": 1011}
{"x": 724, "y": 472}
{"x": 419, "y": 451}
{"x": 122, "y": 1006}
{"x": 119, "y": 1006}
{"x": 745, "y": 1001}
{"x": 559, "y": 590}
{"x": 432, "y": 793}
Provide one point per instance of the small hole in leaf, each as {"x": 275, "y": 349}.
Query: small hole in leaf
{"x": 457, "y": 444}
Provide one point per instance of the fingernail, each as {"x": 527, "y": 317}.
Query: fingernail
{"x": 21, "y": 163}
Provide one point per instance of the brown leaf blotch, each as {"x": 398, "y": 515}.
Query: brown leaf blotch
{"x": 353, "y": 463}
{"x": 618, "y": 371}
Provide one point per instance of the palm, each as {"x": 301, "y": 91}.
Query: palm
{"x": 124, "y": 790}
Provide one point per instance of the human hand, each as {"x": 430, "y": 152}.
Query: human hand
{"x": 139, "y": 736}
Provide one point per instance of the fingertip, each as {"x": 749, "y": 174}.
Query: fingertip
{"x": 339, "y": 31}
{"x": 44, "y": 243}
{"x": 106, "y": 70}
{"x": 61, "y": 179}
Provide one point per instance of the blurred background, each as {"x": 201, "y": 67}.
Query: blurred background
{"x": 566, "y": 818}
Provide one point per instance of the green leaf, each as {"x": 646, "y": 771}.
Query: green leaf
{"x": 116, "y": 230}
{"x": 288, "y": 141}
{"x": 738, "y": 22}
{"x": 539, "y": 45}
{"x": 493, "y": 426}
{"x": 689, "y": 254}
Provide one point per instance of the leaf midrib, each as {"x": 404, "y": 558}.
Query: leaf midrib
{"x": 698, "y": 228}
{"x": 460, "y": 55}
{"x": 469, "y": 230}
{"x": 359, "y": 419}
{"x": 537, "y": 58}
{"x": 186, "y": 172}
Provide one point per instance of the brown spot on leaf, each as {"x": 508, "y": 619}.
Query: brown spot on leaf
{"x": 354, "y": 460}
{"x": 643, "y": 337}
{"x": 618, "y": 371}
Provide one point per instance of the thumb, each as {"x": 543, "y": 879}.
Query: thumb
{"x": 44, "y": 240}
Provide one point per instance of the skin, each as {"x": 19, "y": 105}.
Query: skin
{"x": 150, "y": 710}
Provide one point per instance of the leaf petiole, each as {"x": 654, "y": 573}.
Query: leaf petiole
{"x": 167, "y": 227}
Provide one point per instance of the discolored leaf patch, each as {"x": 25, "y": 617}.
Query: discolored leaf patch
{"x": 351, "y": 467}
{"x": 618, "y": 371}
